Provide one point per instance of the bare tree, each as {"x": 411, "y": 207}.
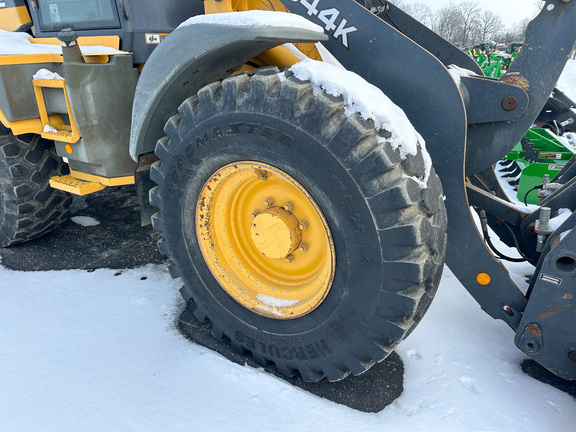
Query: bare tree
{"x": 489, "y": 25}
{"x": 469, "y": 13}
{"x": 420, "y": 11}
{"x": 513, "y": 33}
{"x": 447, "y": 23}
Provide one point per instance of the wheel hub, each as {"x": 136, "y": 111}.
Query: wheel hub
{"x": 275, "y": 233}
{"x": 277, "y": 260}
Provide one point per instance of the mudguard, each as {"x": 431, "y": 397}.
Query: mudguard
{"x": 195, "y": 55}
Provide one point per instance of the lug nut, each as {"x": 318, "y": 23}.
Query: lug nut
{"x": 304, "y": 247}
{"x": 303, "y": 225}
{"x": 289, "y": 206}
{"x": 255, "y": 213}
{"x": 289, "y": 258}
{"x": 269, "y": 202}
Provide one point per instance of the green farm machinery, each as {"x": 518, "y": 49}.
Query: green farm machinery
{"x": 543, "y": 151}
{"x": 540, "y": 155}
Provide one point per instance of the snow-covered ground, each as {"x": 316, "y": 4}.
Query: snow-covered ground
{"x": 99, "y": 351}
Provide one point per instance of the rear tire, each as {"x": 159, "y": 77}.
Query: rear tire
{"x": 388, "y": 233}
{"x": 29, "y": 207}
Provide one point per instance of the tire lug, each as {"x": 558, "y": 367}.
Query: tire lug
{"x": 303, "y": 225}
{"x": 289, "y": 206}
{"x": 304, "y": 247}
{"x": 255, "y": 213}
{"x": 269, "y": 202}
{"x": 289, "y": 258}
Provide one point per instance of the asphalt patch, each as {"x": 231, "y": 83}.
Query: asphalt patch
{"x": 536, "y": 371}
{"x": 104, "y": 232}
{"x": 370, "y": 392}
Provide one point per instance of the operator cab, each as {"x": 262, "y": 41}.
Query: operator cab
{"x": 140, "y": 24}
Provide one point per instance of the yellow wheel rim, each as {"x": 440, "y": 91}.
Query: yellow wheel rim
{"x": 265, "y": 240}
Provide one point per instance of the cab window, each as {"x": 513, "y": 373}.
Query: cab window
{"x": 77, "y": 14}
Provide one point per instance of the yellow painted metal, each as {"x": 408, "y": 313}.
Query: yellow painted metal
{"x": 30, "y": 125}
{"x": 75, "y": 186}
{"x": 107, "y": 41}
{"x": 42, "y": 58}
{"x": 287, "y": 283}
{"x": 275, "y": 233}
{"x": 105, "y": 181}
{"x": 18, "y": 59}
{"x": 12, "y": 18}
{"x": 79, "y": 183}
{"x": 65, "y": 133}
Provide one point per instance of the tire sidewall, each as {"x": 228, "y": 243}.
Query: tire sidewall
{"x": 305, "y": 158}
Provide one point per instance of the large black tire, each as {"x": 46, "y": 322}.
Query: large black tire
{"x": 29, "y": 207}
{"x": 388, "y": 232}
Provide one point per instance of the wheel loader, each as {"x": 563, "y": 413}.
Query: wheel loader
{"x": 312, "y": 164}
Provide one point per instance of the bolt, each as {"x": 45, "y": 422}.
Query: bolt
{"x": 303, "y": 225}
{"x": 289, "y": 258}
{"x": 255, "y": 213}
{"x": 510, "y": 103}
{"x": 289, "y": 206}
{"x": 269, "y": 202}
{"x": 534, "y": 329}
{"x": 304, "y": 247}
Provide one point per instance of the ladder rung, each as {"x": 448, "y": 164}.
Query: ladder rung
{"x": 78, "y": 187}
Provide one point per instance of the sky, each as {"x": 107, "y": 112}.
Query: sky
{"x": 511, "y": 11}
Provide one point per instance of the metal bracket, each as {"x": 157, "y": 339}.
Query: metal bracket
{"x": 493, "y": 101}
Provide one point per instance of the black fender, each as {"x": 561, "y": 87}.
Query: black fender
{"x": 191, "y": 57}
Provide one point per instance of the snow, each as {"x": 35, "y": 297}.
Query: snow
{"x": 508, "y": 189}
{"x": 571, "y": 138}
{"x": 85, "y": 220}
{"x": 99, "y": 351}
{"x": 367, "y": 100}
{"x": 457, "y": 72}
{"x": 563, "y": 215}
{"x": 567, "y": 80}
{"x": 48, "y": 128}
{"x": 45, "y": 74}
{"x": 14, "y": 43}
{"x": 275, "y": 301}
{"x": 254, "y": 18}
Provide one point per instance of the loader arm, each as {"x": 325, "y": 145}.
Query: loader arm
{"x": 438, "y": 108}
